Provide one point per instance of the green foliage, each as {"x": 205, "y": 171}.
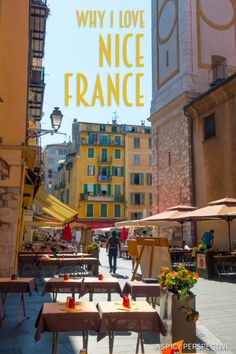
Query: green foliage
{"x": 92, "y": 247}
{"x": 201, "y": 248}
{"x": 178, "y": 282}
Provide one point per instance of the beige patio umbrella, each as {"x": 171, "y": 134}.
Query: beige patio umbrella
{"x": 166, "y": 217}
{"x": 218, "y": 209}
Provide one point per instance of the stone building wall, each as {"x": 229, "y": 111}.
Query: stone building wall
{"x": 9, "y": 207}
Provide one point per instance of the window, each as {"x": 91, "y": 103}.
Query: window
{"x": 150, "y": 199}
{"x": 114, "y": 129}
{"x": 137, "y": 179}
{"x": 104, "y": 139}
{"x": 136, "y": 160}
{"x": 150, "y": 160}
{"x": 117, "y": 189}
{"x": 149, "y": 143}
{"x": 117, "y": 154}
{"x": 117, "y": 211}
{"x": 137, "y": 198}
{"x": 90, "y": 188}
{"x": 118, "y": 171}
{"x": 103, "y": 210}
{"x": 136, "y": 216}
{"x": 117, "y": 140}
{"x": 136, "y": 143}
{"x": 209, "y": 127}
{"x": 149, "y": 179}
{"x": 104, "y": 155}
{"x": 90, "y": 170}
{"x": 102, "y": 128}
{"x": 104, "y": 189}
{"x": 89, "y": 210}
{"x": 91, "y": 153}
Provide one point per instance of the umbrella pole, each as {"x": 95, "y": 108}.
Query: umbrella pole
{"x": 182, "y": 232}
{"x": 229, "y": 234}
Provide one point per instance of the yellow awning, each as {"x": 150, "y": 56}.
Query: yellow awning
{"x": 54, "y": 207}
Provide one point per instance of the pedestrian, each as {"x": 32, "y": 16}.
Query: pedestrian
{"x": 208, "y": 238}
{"x": 113, "y": 245}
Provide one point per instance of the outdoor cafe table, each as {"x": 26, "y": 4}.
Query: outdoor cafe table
{"x": 140, "y": 318}
{"x": 140, "y": 289}
{"x": 56, "y": 317}
{"x": 20, "y": 285}
{"x": 94, "y": 286}
{"x": 59, "y": 285}
{"x": 63, "y": 263}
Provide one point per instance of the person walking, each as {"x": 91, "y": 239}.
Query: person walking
{"x": 113, "y": 245}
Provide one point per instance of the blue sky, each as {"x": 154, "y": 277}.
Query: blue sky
{"x": 73, "y": 49}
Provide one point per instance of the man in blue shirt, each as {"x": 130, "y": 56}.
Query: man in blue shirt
{"x": 208, "y": 238}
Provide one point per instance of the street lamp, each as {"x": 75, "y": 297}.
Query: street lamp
{"x": 56, "y": 119}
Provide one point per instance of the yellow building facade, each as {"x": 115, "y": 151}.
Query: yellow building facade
{"x": 107, "y": 176}
{"x": 22, "y": 35}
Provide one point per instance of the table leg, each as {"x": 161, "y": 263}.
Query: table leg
{"x": 139, "y": 340}
{"x": 109, "y": 297}
{"x": 54, "y": 296}
{"x": 90, "y": 296}
{"x": 111, "y": 341}
{"x": 22, "y": 304}
{"x": 85, "y": 340}
{"x": 55, "y": 343}
{"x": 3, "y": 298}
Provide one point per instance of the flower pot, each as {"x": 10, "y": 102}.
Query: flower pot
{"x": 205, "y": 265}
{"x": 175, "y": 320}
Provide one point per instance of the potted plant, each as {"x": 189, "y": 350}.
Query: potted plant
{"x": 204, "y": 261}
{"x": 177, "y": 306}
{"x": 93, "y": 249}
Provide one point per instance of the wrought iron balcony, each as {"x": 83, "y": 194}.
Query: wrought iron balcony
{"x": 85, "y": 141}
{"x": 37, "y": 75}
{"x": 69, "y": 165}
{"x": 119, "y": 198}
{"x": 96, "y": 197}
{"x": 36, "y": 92}
{"x": 39, "y": 13}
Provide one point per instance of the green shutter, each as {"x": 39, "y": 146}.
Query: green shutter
{"x": 109, "y": 189}
{"x": 85, "y": 188}
{"x": 99, "y": 189}
{"x": 122, "y": 171}
{"x": 113, "y": 171}
{"x": 109, "y": 171}
{"x": 99, "y": 170}
{"x": 94, "y": 189}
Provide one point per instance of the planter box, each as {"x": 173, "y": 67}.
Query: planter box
{"x": 174, "y": 319}
{"x": 205, "y": 265}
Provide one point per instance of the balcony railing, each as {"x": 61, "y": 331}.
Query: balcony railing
{"x": 101, "y": 178}
{"x": 85, "y": 141}
{"x": 104, "y": 160}
{"x": 69, "y": 165}
{"x": 62, "y": 185}
{"x": 39, "y": 2}
{"x": 102, "y": 197}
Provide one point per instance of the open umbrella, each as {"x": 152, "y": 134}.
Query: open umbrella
{"x": 218, "y": 209}
{"x": 66, "y": 233}
{"x": 168, "y": 215}
{"x": 124, "y": 234}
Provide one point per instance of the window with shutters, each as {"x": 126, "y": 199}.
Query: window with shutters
{"x": 117, "y": 140}
{"x": 90, "y": 170}
{"x": 104, "y": 189}
{"x": 136, "y": 160}
{"x": 117, "y": 211}
{"x": 137, "y": 198}
{"x": 137, "y": 179}
{"x": 136, "y": 216}
{"x": 118, "y": 171}
{"x": 149, "y": 179}
{"x": 136, "y": 142}
{"x": 90, "y": 189}
{"x": 103, "y": 210}
{"x": 89, "y": 210}
{"x": 91, "y": 153}
{"x": 117, "y": 154}
{"x": 117, "y": 189}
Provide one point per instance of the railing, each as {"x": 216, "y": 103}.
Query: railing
{"x": 97, "y": 197}
{"x": 62, "y": 185}
{"x": 37, "y": 75}
{"x": 220, "y": 72}
{"x": 39, "y": 2}
{"x": 69, "y": 165}
{"x": 101, "y": 178}
{"x": 104, "y": 160}
{"x": 119, "y": 198}
{"x": 85, "y": 141}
